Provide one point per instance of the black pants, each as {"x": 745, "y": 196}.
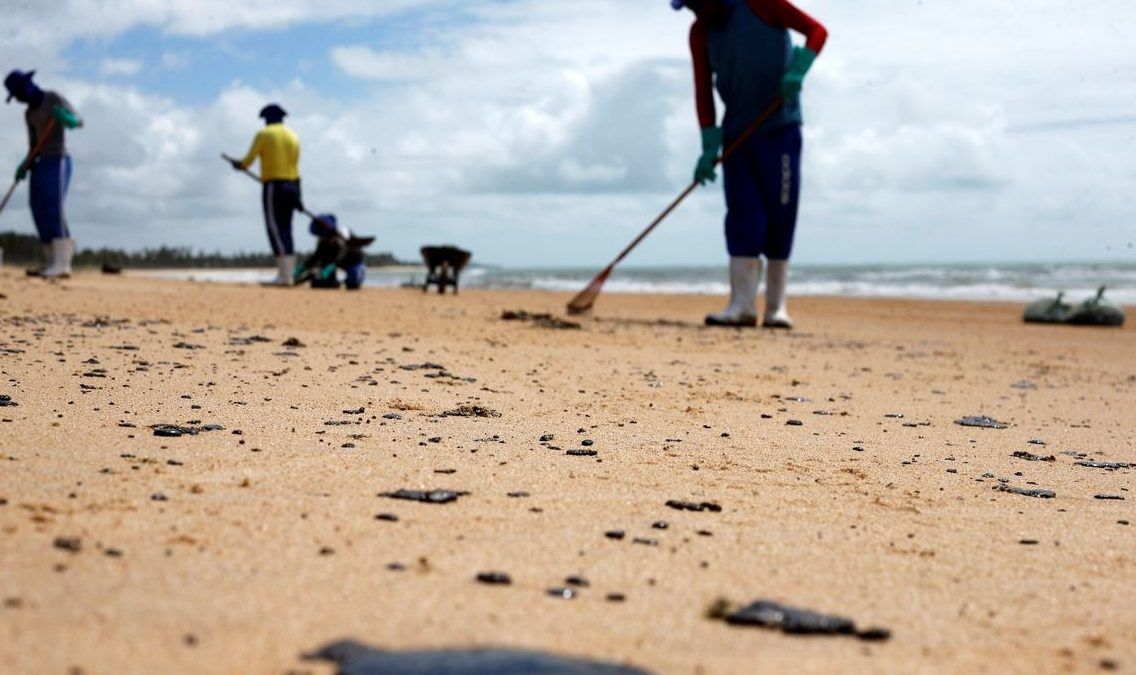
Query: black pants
{"x": 280, "y": 199}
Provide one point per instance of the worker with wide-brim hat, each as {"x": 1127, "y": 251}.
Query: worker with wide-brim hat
{"x": 49, "y": 167}
{"x": 278, "y": 149}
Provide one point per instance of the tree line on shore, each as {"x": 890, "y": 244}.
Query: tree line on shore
{"x": 21, "y": 249}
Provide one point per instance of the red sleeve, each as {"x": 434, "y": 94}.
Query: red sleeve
{"x": 703, "y": 77}
{"x": 783, "y": 14}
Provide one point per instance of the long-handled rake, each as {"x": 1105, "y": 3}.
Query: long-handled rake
{"x": 306, "y": 274}
{"x": 40, "y": 142}
{"x": 257, "y": 178}
{"x": 586, "y": 298}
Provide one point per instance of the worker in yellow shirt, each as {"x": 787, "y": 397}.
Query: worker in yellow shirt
{"x": 278, "y": 149}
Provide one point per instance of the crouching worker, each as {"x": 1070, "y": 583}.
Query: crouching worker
{"x": 337, "y": 249}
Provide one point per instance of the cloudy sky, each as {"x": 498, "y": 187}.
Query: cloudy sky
{"x": 545, "y": 132}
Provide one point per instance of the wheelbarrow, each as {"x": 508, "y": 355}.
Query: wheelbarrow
{"x": 443, "y": 266}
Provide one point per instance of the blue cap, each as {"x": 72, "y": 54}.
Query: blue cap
{"x": 678, "y": 4}
{"x": 272, "y": 112}
{"x": 323, "y": 224}
{"x": 17, "y": 83}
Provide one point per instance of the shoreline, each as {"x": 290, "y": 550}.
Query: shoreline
{"x": 845, "y": 483}
{"x": 401, "y": 276}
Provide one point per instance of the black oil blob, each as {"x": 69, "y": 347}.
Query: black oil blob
{"x": 494, "y": 578}
{"x": 561, "y": 592}
{"x": 981, "y": 421}
{"x": 471, "y": 411}
{"x": 69, "y": 544}
{"x": 354, "y": 658}
{"x": 1026, "y": 492}
{"x": 540, "y": 319}
{"x": 693, "y": 506}
{"x": 428, "y": 496}
{"x": 798, "y": 621}
{"x": 1111, "y": 466}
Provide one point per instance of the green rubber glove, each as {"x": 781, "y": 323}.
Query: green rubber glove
{"x": 21, "y": 172}
{"x": 66, "y": 117}
{"x": 799, "y": 64}
{"x": 711, "y": 144}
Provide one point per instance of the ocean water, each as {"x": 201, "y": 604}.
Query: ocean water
{"x": 1016, "y": 282}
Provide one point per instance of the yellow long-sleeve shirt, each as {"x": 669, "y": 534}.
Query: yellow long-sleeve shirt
{"x": 278, "y": 149}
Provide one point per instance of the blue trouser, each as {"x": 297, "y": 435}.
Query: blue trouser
{"x": 356, "y": 274}
{"x": 281, "y": 198}
{"x": 50, "y": 178}
{"x": 762, "y": 181}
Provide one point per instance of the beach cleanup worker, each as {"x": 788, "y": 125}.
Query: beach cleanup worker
{"x": 48, "y": 115}
{"x": 743, "y": 49}
{"x": 278, "y": 149}
{"x": 336, "y": 249}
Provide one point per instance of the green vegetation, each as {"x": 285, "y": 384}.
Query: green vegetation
{"x": 25, "y": 249}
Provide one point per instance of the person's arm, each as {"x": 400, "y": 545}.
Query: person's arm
{"x": 784, "y": 14}
{"x": 703, "y": 76}
{"x": 36, "y": 142}
{"x": 22, "y": 167}
{"x": 253, "y": 153}
{"x": 64, "y": 113}
{"x": 704, "y": 100}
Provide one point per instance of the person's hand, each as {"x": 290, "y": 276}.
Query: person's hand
{"x": 66, "y": 117}
{"x": 236, "y": 164}
{"x": 21, "y": 172}
{"x": 711, "y": 143}
{"x": 800, "y": 63}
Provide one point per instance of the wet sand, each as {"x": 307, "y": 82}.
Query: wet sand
{"x": 844, "y": 482}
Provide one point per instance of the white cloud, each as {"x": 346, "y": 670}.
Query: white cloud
{"x": 363, "y": 62}
{"x": 46, "y": 22}
{"x": 175, "y": 60}
{"x": 541, "y": 131}
{"x": 119, "y": 67}
{"x": 572, "y": 171}
{"x": 918, "y": 158}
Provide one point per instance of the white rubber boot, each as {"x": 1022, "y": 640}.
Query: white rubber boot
{"x": 742, "y": 310}
{"x": 70, "y": 256}
{"x": 776, "y": 280}
{"x": 61, "y": 252}
{"x": 38, "y": 271}
{"x": 286, "y": 265}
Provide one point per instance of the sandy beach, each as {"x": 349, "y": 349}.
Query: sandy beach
{"x": 844, "y": 483}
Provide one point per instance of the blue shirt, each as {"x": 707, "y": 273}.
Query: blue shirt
{"x": 749, "y": 58}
